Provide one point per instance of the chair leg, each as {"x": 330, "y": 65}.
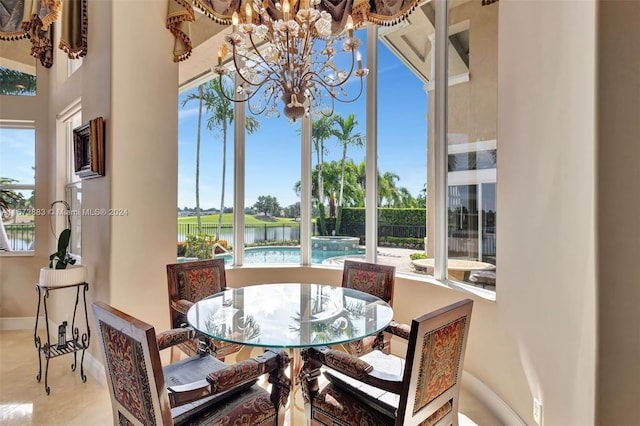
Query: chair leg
{"x": 175, "y": 354}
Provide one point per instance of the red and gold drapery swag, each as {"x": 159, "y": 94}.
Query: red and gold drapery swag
{"x": 33, "y": 19}
{"x": 379, "y": 12}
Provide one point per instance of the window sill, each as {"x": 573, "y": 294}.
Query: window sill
{"x": 25, "y": 253}
{"x": 454, "y": 285}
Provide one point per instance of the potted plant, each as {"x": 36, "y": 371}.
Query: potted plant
{"x": 62, "y": 269}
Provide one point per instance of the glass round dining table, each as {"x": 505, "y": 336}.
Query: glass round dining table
{"x": 290, "y": 315}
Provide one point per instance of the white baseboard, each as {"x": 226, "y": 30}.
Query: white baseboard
{"x": 20, "y": 323}
{"x": 491, "y": 400}
{"x": 91, "y": 365}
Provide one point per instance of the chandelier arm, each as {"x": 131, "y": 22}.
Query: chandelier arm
{"x": 247, "y": 97}
{"x": 237, "y": 67}
{"x": 265, "y": 63}
{"x": 309, "y": 75}
{"x": 327, "y": 87}
{"x": 266, "y": 103}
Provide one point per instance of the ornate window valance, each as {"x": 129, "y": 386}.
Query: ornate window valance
{"x": 33, "y": 19}
{"x": 379, "y": 12}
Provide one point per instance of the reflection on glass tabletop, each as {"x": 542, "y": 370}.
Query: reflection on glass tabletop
{"x": 290, "y": 315}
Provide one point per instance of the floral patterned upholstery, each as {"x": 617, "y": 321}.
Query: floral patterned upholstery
{"x": 195, "y": 284}
{"x": 334, "y": 403}
{"x": 374, "y": 279}
{"x": 144, "y": 392}
{"x": 370, "y": 278}
{"x": 130, "y": 384}
{"x": 190, "y": 282}
{"x": 439, "y": 362}
{"x": 422, "y": 388}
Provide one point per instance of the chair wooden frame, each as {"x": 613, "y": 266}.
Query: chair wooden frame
{"x": 144, "y": 392}
{"x": 362, "y": 387}
{"x": 360, "y": 347}
{"x": 178, "y": 306}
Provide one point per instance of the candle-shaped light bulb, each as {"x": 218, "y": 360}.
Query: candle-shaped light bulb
{"x": 219, "y": 57}
{"x": 285, "y": 9}
{"x": 234, "y": 21}
{"x": 247, "y": 10}
{"x": 359, "y": 59}
{"x": 349, "y": 26}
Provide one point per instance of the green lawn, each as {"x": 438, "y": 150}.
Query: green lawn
{"x": 228, "y": 218}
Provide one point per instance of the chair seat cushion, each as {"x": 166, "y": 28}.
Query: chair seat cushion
{"x": 251, "y": 407}
{"x": 193, "y": 369}
{"x": 338, "y": 407}
{"x": 389, "y": 367}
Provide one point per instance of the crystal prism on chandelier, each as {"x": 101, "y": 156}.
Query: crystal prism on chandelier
{"x": 292, "y": 60}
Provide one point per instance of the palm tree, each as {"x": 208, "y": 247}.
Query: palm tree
{"x": 184, "y": 102}
{"x": 216, "y": 96}
{"x": 13, "y": 82}
{"x": 320, "y": 132}
{"x": 346, "y": 137}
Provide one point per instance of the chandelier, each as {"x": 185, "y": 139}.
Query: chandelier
{"x": 292, "y": 59}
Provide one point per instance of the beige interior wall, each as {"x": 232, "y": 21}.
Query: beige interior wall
{"x": 144, "y": 160}
{"x": 546, "y": 186}
{"x": 618, "y": 236}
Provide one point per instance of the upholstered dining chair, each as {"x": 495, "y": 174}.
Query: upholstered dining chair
{"x": 374, "y": 279}
{"x": 382, "y": 389}
{"x": 200, "y": 390}
{"x": 190, "y": 282}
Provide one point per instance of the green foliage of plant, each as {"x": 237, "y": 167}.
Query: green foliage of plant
{"x": 61, "y": 258}
{"x": 415, "y": 256}
{"x": 16, "y": 82}
{"x": 406, "y": 242}
{"x": 353, "y": 217}
{"x": 200, "y": 246}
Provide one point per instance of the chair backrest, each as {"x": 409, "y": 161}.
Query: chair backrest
{"x": 194, "y": 281}
{"x": 134, "y": 371}
{"x": 370, "y": 278}
{"x": 433, "y": 369}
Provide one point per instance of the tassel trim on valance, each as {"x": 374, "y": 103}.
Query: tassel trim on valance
{"x": 178, "y": 19}
{"x": 212, "y": 14}
{"x": 73, "y": 49}
{"x": 51, "y": 17}
{"x": 362, "y": 11}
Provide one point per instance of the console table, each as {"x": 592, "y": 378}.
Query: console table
{"x": 78, "y": 342}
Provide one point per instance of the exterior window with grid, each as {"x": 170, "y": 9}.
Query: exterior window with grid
{"x": 17, "y": 187}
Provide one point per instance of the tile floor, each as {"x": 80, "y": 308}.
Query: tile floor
{"x": 23, "y": 401}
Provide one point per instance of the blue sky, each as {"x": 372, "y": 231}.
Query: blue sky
{"x": 273, "y": 152}
{"x": 17, "y": 155}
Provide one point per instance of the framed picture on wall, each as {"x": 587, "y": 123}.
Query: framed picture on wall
{"x": 88, "y": 149}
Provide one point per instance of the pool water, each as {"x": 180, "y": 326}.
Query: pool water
{"x": 258, "y": 255}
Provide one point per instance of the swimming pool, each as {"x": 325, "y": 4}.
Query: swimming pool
{"x": 282, "y": 254}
